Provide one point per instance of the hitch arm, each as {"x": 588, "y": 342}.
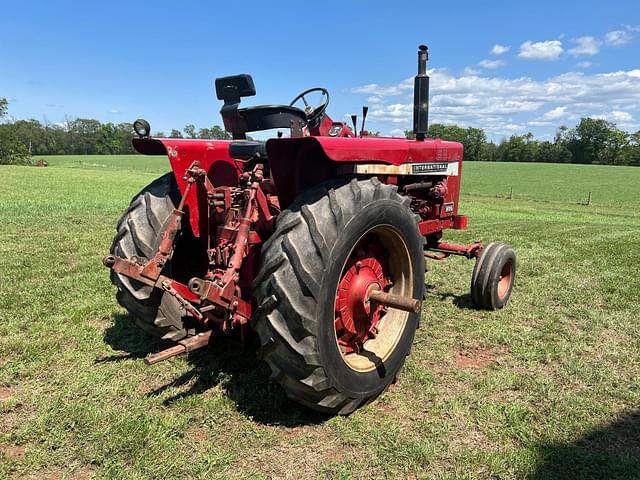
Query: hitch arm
{"x": 184, "y": 346}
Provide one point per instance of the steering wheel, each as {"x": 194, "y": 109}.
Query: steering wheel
{"x": 314, "y": 114}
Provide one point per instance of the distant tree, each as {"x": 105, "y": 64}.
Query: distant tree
{"x": 204, "y": 133}
{"x": 473, "y": 139}
{"x": 12, "y": 150}
{"x": 159, "y": 135}
{"x": 83, "y": 134}
{"x": 190, "y": 131}
{"x": 631, "y": 153}
{"x": 409, "y": 135}
{"x": 107, "y": 139}
{"x": 515, "y": 149}
{"x": 595, "y": 140}
{"x": 489, "y": 152}
{"x": 473, "y": 143}
{"x": 219, "y": 133}
{"x": 175, "y": 133}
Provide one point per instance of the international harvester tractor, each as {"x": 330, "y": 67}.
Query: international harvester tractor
{"x": 315, "y": 241}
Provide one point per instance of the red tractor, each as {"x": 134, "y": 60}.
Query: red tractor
{"x": 316, "y": 242}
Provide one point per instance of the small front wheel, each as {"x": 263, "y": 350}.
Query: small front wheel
{"x": 493, "y": 276}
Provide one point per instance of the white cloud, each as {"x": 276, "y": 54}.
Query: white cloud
{"x": 492, "y": 64}
{"x": 512, "y": 128}
{"x": 499, "y": 49}
{"x": 618, "y": 38}
{"x": 556, "y": 113}
{"x": 621, "y": 116}
{"x": 585, "y": 46}
{"x": 549, "y": 50}
{"x": 388, "y": 90}
{"x": 469, "y": 71}
{"x": 584, "y": 64}
{"x": 502, "y": 106}
{"x": 114, "y": 111}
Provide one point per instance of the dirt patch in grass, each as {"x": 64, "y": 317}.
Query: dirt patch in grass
{"x": 82, "y": 473}
{"x": 196, "y": 434}
{"x": 292, "y": 460}
{"x": 15, "y": 452}
{"x": 478, "y": 358}
{"x": 6, "y": 393}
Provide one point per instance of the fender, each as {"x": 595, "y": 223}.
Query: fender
{"x": 213, "y": 156}
{"x": 299, "y": 163}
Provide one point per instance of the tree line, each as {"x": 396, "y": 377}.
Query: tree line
{"x": 592, "y": 141}
{"x": 79, "y": 136}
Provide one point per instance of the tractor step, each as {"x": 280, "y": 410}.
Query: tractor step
{"x": 184, "y": 346}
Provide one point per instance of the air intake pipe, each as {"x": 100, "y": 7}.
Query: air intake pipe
{"x": 421, "y": 96}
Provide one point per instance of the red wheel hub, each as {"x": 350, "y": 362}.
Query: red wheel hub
{"x": 505, "y": 279}
{"x": 356, "y": 318}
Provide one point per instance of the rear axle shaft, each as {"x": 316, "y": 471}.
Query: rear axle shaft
{"x": 410, "y": 305}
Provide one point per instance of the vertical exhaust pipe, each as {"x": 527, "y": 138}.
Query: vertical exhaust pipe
{"x": 421, "y": 96}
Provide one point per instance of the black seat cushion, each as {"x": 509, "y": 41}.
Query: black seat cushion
{"x": 246, "y": 150}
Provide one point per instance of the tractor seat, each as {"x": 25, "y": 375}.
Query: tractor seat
{"x": 246, "y": 150}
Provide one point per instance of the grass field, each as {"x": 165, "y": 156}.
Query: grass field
{"x": 547, "y": 388}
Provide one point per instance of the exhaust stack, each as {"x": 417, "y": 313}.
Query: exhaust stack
{"x": 421, "y": 96}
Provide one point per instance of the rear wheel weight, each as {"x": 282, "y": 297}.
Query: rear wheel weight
{"x": 301, "y": 314}
{"x": 493, "y": 276}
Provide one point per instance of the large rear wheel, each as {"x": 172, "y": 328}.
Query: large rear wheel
{"x": 329, "y": 346}
{"x": 137, "y": 237}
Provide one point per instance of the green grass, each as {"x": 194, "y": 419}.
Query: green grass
{"x": 554, "y": 182}
{"x": 547, "y": 388}
{"x": 137, "y": 163}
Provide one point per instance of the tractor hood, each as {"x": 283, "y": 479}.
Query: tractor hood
{"x": 393, "y": 151}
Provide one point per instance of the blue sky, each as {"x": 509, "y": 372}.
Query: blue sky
{"x": 506, "y": 66}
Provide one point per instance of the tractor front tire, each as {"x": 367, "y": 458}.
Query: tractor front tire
{"x": 137, "y": 237}
{"x": 326, "y": 242}
{"x": 493, "y": 276}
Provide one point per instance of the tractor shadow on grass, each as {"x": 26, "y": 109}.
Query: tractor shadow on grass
{"x": 124, "y": 335}
{"x": 609, "y": 452}
{"x": 224, "y": 363}
{"x": 463, "y": 301}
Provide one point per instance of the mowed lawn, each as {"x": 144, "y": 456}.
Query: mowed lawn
{"x": 547, "y": 388}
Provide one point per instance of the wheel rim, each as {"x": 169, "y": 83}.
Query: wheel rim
{"x": 505, "y": 279}
{"x": 367, "y": 333}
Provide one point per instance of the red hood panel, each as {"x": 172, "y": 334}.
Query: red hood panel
{"x": 394, "y": 151}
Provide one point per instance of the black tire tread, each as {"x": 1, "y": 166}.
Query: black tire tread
{"x": 137, "y": 231}
{"x": 486, "y": 267}
{"x": 286, "y": 289}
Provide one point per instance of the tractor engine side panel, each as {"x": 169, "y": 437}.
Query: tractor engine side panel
{"x": 299, "y": 163}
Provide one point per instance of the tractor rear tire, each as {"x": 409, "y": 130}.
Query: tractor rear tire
{"x": 493, "y": 276}
{"x": 304, "y": 262}
{"x": 155, "y": 311}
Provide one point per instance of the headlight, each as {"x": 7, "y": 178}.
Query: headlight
{"x": 142, "y": 128}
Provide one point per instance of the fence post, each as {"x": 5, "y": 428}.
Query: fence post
{"x": 511, "y": 193}
{"x": 589, "y": 199}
